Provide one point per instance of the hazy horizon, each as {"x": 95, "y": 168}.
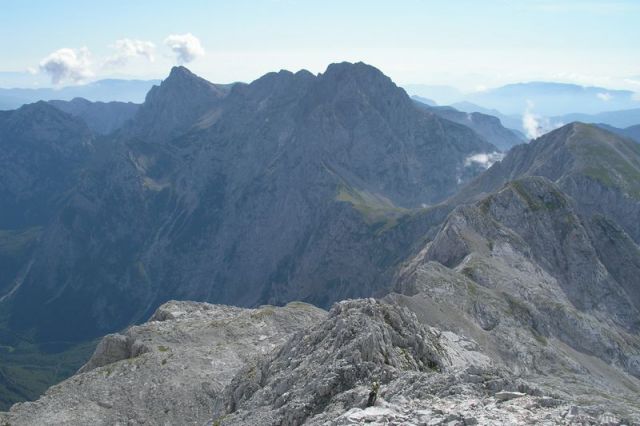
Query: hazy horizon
{"x": 463, "y": 44}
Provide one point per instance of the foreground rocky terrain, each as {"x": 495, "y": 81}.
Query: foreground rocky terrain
{"x": 195, "y": 363}
{"x": 169, "y": 370}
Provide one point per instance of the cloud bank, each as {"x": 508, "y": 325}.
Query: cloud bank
{"x": 186, "y": 47}
{"x": 75, "y": 65}
{"x": 127, "y": 48}
{"x": 67, "y": 65}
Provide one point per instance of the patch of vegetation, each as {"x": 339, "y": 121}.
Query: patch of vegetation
{"x": 408, "y": 360}
{"x": 218, "y": 421}
{"x": 612, "y": 161}
{"x": 264, "y": 312}
{"x": 163, "y": 348}
{"x": 108, "y": 370}
{"x": 26, "y": 370}
{"x": 14, "y": 242}
{"x": 378, "y": 212}
{"x": 517, "y": 308}
{"x": 539, "y": 337}
{"x": 16, "y": 247}
{"x": 473, "y": 289}
{"x": 433, "y": 366}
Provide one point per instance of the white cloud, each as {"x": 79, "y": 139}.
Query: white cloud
{"x": 127, "y": 48}
{"x": 485, "y": 160}
{"x": 605, "y": 97}
{"x": 530, "y": 122}
{"x": 67, "y": 64}
{"x": 536, "y": 125}
{"x": 186, "y": 47}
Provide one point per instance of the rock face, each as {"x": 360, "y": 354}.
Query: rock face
{"x": 293, "y": 187}
{"x": 598, "y": 169}
{"x": 169, "y": 370}
{"x": 42, "y": 151}
{"x": 173, "y": 107}
{"x": 101, "y": 117}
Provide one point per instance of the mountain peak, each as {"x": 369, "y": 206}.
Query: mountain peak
{"x": 352, "y": 83}
{"x": 37, "y": 107}
{"x": 180, "y": 71}
{"x": 174, "y": 106}
{"x": 41, "y": 113}
{"x": 358, "y": 70}
{"x": 181, "y": 78}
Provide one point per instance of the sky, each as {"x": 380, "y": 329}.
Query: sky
{"x": 469, "y": 44}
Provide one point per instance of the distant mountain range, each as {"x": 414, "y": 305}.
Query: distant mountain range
{"x": 441, "y": 94}
{"x": 542, "y": 98}
{"x": 101, "y": 117}
{"x": 487, "y": 126}
{"x": 632, "y": 132}
{"x": 102, "y": 90}
{"x": 622, "y": 118}
{"x": 552, "y": 99}
{"x": 510, "y": 121}
{"x": 615, "y": 119}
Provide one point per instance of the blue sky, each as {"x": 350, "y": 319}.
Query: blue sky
{"x": 464, "y": 43}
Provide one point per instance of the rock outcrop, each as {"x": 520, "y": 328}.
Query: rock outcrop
{"x": 170, "y": 370}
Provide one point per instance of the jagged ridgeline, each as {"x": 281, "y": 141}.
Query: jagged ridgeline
{"x": 293, "y": 187}
{"x": 508, "y": 296}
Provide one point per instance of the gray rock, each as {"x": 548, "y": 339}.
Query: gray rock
{"x": 192, "y": 351}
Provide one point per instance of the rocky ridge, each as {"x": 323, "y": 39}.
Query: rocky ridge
{"x": 487, "y": 126}
{"x": 194, "y": 363}
{"x": 101, "y": 117}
